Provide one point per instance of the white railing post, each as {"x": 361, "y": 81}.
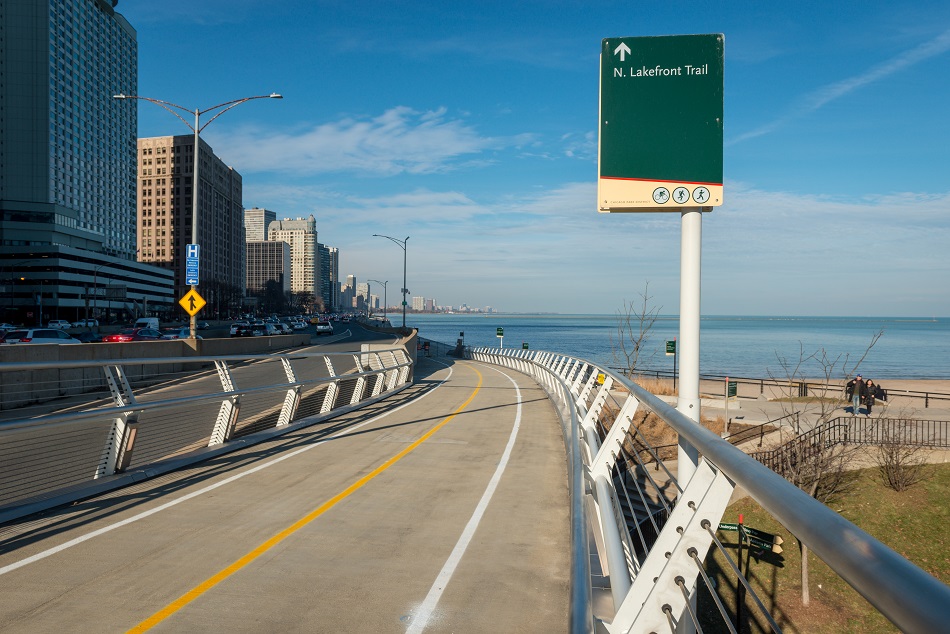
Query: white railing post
{"x": 230, "y": 407}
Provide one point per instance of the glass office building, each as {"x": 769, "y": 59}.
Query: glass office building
{"x": 67, "y": 164}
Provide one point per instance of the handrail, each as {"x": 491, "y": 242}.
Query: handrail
{"x": 909, "y": 597}
{"x": 161, "y": 415}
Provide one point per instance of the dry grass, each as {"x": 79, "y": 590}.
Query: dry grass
{"x": 649, "y": 430}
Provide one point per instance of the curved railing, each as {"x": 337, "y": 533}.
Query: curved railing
{"x": 652, "y": 578}
{"x": 82, "y": 428}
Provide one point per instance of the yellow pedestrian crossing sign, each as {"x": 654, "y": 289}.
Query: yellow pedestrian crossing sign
{"x": 192, "y": 302}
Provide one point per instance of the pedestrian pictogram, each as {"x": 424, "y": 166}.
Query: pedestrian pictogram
{"x": 192, "y": 302}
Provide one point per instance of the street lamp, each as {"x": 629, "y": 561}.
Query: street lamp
{"x": 402, "y": 244}
{"x": 95, "y": 298}
{"x": 197, "y": 128}
{"x": 385, "y": 301}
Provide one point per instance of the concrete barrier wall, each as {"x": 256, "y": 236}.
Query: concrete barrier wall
{"x": 23, "y": 387}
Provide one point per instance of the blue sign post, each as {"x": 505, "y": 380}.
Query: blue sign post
{"x": 191, "y": 264}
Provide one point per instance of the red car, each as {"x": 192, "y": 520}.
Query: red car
{"x": 133, "y": 334}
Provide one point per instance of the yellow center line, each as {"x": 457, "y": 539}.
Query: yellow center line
{"x": 214, "y": 580}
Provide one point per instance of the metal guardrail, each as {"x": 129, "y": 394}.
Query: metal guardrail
{"x": 652, "y": 579}
{"x": 801, "y": 388}
{"x": 855, "y": 430}
{"x": 63, "y": 444}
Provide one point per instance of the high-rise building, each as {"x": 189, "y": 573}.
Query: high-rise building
{"x": 67, "y": 161}
{"x": 267, "y": 261}
{"x": 329, "y": 276}
{"x": 418, "y": 303}
{"x": 301, "y": 235}
{"x": 256, "y": 222}
{"x": 165, "y": 168}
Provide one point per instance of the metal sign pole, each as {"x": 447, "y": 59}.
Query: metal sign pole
{"x": 690, "y": 276}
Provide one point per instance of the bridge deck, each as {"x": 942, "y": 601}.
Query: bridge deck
{"x": 443, "y": 507}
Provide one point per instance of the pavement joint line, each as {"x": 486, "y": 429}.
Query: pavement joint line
{"x": 425, "y": 610}
{"x": 194, "y": 494}
{"x": 251, "y": 556}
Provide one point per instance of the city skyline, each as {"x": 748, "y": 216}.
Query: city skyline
{"x": 473, "y": 131}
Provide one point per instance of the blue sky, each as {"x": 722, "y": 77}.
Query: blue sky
{"x": 472, "y": 128}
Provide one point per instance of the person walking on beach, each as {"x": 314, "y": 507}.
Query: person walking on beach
{"x": 869, "y": 389}
{"x": 855, "y": 391}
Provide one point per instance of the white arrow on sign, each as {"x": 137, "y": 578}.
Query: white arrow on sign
{"x": 623, "y": 49}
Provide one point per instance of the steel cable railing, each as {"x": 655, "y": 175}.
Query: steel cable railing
{"x": 905, "y": 594}
{"x": 167, "y": 412}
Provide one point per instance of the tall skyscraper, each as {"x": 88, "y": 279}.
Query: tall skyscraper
{"x": 256, "y": 222}
{"x": 301, "y": 235}
{"x": 329, "y": 276}
{"x": 267, "y": 261}
{"x": 67, "y": 161}
{"x": 165, "y": 168}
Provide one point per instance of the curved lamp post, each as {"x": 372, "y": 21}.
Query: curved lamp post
{"x": 402, "y": 245}
{"x": 197, "y": 128}
{"x": 385, "y": 301}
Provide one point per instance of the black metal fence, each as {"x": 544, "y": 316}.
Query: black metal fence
{"x": 859, "y": 431}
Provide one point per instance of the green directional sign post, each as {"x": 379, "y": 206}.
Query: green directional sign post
{"x": 671, "y": 352}
{"x": 661, "y": 123}
{"x": 500, "y": 333}
{"x": 660, "y": 150}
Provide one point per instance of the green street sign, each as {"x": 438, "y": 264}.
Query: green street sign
{"x": 661, "y": 123}
{"x": 500, "y": 332}
{"x": 761, "y": 539}
{"x": 728, "y": 527}
{"x": 732, "y": 388}
{"x": 769, "y": 537}
{"x": 524, "y": 346}
{"x": 671, "y": 348}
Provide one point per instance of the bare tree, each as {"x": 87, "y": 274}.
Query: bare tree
{"x": 813, "y": 461}
{"x": 633, "y": 328}
{"x": 811, "y": 384}
{"x": 902, "y": 462}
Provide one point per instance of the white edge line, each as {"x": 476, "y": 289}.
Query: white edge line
{"x": 425, "y": 610}
{"x": 135, "y": 518}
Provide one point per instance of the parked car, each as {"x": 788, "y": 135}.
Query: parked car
{"x": 324, "y": 328}
{"x": 89, "y": 337}
{"x": 133, "y": 334}
{"x": 264, "y": 330}
{"x": 86, "y": 323}
{"x": 237, "y": 326}
{"x": 7, "y": 327}
{"x": 183, "y": 332}
{"x": 283, "y": 329}
{"x": 37, "y": 335}
{"x": 241, "y": 329}
{"x": 299, "y": 324}
{"x": 61, "y": 324}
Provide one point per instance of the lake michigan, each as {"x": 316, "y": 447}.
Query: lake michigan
{"x": 910, "y": 348}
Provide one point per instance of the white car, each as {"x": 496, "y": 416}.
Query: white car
{"x": 238, "y": 325}
{"x": 324, "y": 328}
{"x": 60, "y": 324}
{"x": 86, "y": 323}
{"x": 37, "y": 335}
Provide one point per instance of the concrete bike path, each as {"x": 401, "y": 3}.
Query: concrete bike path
{"x": 443, "y": 508}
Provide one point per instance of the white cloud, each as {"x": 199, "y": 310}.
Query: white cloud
{"x": 764, "y": 252}
{"x": 826, "y": 94}
{"x": 400, "y": 140}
